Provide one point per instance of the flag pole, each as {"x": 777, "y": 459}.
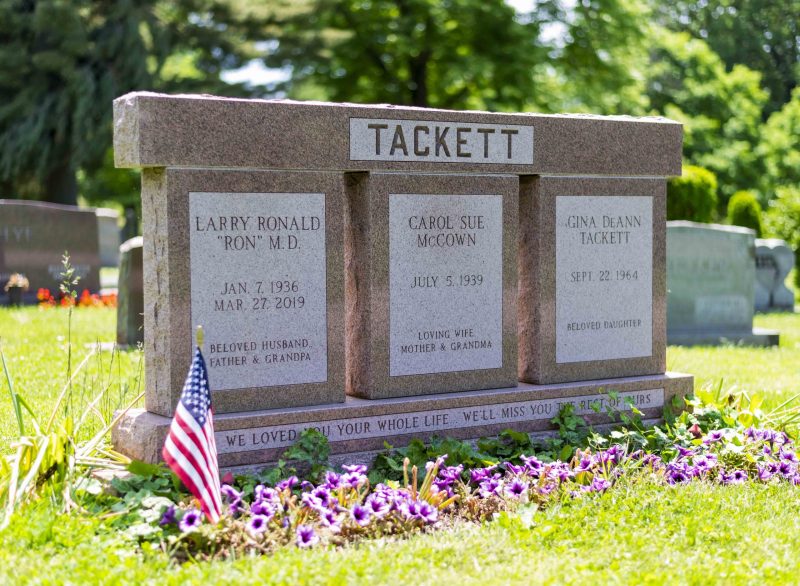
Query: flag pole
{"x": 199, "y": 337}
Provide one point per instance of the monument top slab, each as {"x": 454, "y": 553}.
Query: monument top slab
{"x": 159, "y": 130}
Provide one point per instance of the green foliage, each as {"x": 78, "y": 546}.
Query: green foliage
{"x": 761, "y": 34}
{"x": 62, "y": 64}
{"x": 720, "y": 108}
{"x": 692, "y": 196}
{"x": 782, "y": 220}
{"x": 475, "y": 54}
{"x": 780, "y": 148}
{"x": 310, "y": 452}
{"x": 744, "y": 210}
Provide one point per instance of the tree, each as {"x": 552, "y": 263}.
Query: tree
{"x": 780, "y": 148}
{"x": 764, "y": 35}
{"x": 63, "y": 62}
{"x": 720, "y": 109}
{"x": 473, "y": 54}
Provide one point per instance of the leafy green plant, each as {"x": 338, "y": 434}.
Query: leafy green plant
{"x": 693, "y": 195}
{"x": 782, "y": 220}
{"x": 744, "y": 210}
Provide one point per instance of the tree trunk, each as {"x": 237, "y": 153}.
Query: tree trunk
{"x": 61, "y": 185}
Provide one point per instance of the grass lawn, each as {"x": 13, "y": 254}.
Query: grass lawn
{"x": 694, "y": 534}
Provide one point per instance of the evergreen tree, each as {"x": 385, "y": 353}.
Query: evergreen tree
{"x": 62, "y": 62}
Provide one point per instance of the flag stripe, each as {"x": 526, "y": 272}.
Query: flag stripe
{"x": 188, "y": 475}
{"x": 185, "y": 444}
{"x": 195, "y": 434}
{"x": 197, "y": 445}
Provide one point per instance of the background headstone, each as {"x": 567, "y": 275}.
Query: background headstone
{"x": 35, "y": 235}
{"x": 774, "y": 260}
{"x": 108, "y": 234}
{"x": 711, "y": 276}
{"x": 130, "y": 294}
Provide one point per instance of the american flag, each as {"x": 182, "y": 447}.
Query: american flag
{"x": 190, "y": 449}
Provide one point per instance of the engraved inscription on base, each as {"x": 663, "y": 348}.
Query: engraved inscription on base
{"x": 433, "y": 420}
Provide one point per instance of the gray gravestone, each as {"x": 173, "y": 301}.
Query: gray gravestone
{"x": 774, "y": 261}
{"x": 375, "y": 250}
{"x": 35, "y": 235}
{"x": 108, "y": 233}
{"x": 711, "y": 285}
{"x": 130, "y": 294}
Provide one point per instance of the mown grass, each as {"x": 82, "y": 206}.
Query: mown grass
{"x": 644, "y": 534}
{"x": 773, "y": 373}
{"x": 34, "y": 343}
{"x": 639, "y": 534}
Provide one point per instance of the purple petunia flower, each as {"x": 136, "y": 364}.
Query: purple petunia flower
{"x": 355, "y": 468}
{"x": 257, "y": 524}
{"x": 517, "y": 488}
{"x": 787, "y": 469}
{"x": 288, "y": 484}
{"x": 490, "y": 486}
{"x": 735, "y": 477}
{"x": 685, "y": 452}
{"x": 677, "y": 473}
{"x": 533, "y": 465}
{"x": 330, "y": 520}
{"x": 168, "y": 516}
{"x": 233, "y": 497}
{"x": 311, "y": 501}
{"x": 598, "y": 485}
{"x": 514, "y": 468}
{"x": 477, "y": 475}
{"x": 766, "y": 472}
{"x": 377, "y": 506}
{"x": 306, "y": 537}
{"x": 714, "y": 436}
{"x": 264, "y": 508}
{"x": 332, "y": 480}
{"x": 353, "y": 479}
{"x": 361, "y": 515}
{"x": 191, "y": 520}
{"x": 788, "y": 455}
{"x": 704, "y": 463}
{"x": 324, "y": 495}
{"x": 428, "y": 513}
{"x": 266, "y": 493}
{"x": 586, "y": 463}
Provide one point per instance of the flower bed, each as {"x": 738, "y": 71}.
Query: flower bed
{"x": 86, "y": 299}
{"x": 345, "y": 506}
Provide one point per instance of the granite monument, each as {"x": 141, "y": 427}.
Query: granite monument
{"x": 418, "y": 260}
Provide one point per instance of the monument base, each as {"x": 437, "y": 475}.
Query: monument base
{"x": 359, "y": 427}
{"x": 756, "y": 337}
